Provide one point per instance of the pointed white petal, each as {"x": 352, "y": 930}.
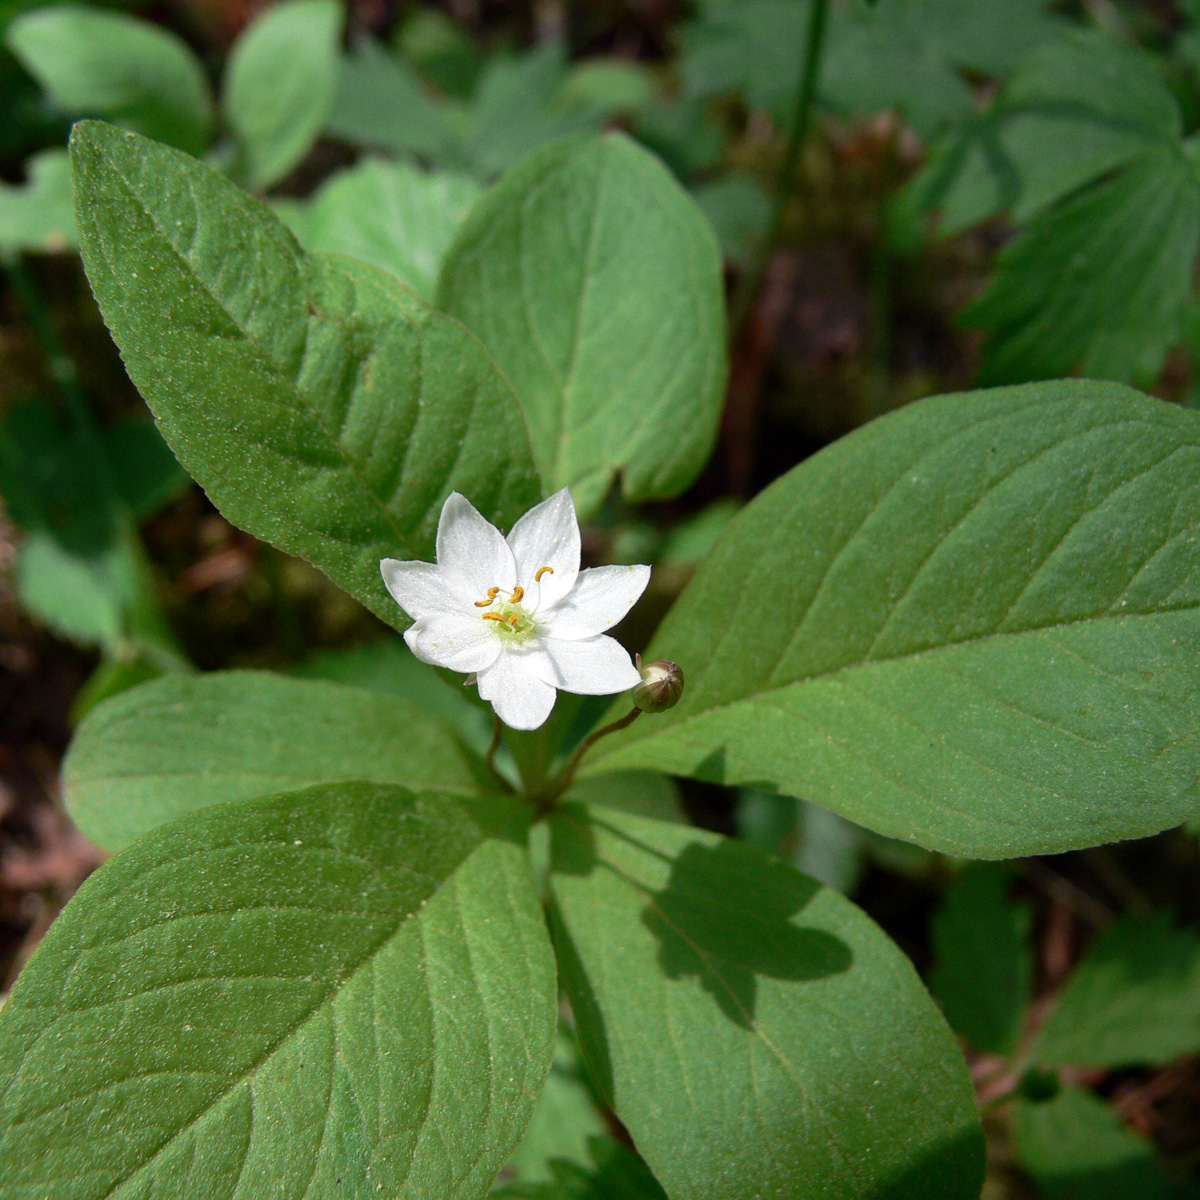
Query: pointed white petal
{"x": 422, "y": 589}
{"x": 547, "y": 536}
{"x": 473, "y": 549}
{"x": 595, "y": 666}
{"x": 600, "y": 598}
{"x": 511, "y": 684}
{"x": 452, "y": 640}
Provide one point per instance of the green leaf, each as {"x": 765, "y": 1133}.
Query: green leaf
{"x": 1081, "y": 107}
{"x": 1076, "y": 1147}
{"x": 78, "y": 570}
{"x": 357, "y": 409}
{"x": 971, "y": 624}
{"x": 280, "y": 87}
{"x": 388, "y": 666}
{"x": 596, "y": 284}
{"x": 393, "y": 216}
{"x": 520, "y": 104}
{"x": 564, "y": 1121}
{"x": 1101, "y": 283}
{"x": 185, "y": 742}
{"x": 983, "y": 971}
{"x": 1133, "y": 1000}
{"x": 146, "y": 473}
{"x": 643, "y": 793}
{"x": 618, "y": 1175}
{"x": 380, "y": 103}
{"x": 80, "y": 594}
{"x": 817, "y": 842}
{"x": 609, "y": 85}
{"x": 739, "y": 209}
{"x": 755, "y": 1033}
{"x": 344, "y": 992}
{"x": 108, "y": 64}
{"x": 39, "y": 215}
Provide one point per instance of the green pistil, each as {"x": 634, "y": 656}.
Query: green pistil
{"x": 513, "y": 633}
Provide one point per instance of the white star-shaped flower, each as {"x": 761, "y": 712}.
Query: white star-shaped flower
{"x": 518, "y": 611}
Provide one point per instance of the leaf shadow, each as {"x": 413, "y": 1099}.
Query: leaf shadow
{"x": 726, "y": 917}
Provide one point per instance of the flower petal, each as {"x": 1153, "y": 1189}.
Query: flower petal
{"x": 511, "y": 684}
{"x": 594, "y": 666}
{"x": 547, "y": 536}
{"x": 600, "y": 598}
{"x": 422, "y": 589}
{"x": 452, "y": 640}
{"x": 473, "y": 549}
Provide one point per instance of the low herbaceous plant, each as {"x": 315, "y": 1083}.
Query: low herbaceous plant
{"x": 322, "y": 961}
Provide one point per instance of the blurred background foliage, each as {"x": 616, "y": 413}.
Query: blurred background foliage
{"x": 992, "y": 191}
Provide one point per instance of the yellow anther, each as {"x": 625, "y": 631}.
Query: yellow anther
{"x": 542, "y": 571}
{"x": 515, "y": 598}
{"x": 492, "y": 593}
{"x": 512, "y": 619}
{"x": 494, "y": 617}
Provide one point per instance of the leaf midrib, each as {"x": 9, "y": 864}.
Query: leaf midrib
{"x": 847, "y": 668}
{"x": 265, "y": 357}
{"x": 337, "y": 987}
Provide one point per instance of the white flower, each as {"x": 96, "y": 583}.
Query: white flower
{"x": 518, "y": 611}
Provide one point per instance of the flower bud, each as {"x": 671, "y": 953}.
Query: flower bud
{"x": 661, "y": 686}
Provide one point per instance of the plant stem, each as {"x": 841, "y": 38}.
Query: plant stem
{"x": 560, "y": 785}
{"x": 806, "y": 88}
{"x": 497, "y": 734}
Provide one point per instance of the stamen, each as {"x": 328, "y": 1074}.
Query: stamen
{"x": 492, "y": 593}
{"x": 494, "y": 617}
{"x": 515, "y": 598}
{"x": 512, "y": 619}
{"x": 542, "y": 571}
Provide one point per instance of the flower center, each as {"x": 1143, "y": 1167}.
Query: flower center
{"x": 511, "y": 620}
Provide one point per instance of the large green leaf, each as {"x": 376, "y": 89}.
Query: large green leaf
{"x": 755, "y": 1032}
{"x": 1076, "y": 1147}
{"x": 972, "y": 624}
{"x": 185, "y": 742}
{"x": 596, "y": 284}
{"x": 393, "y": 216}
{"x": 320, "y": 404}
{"x": 1133, "y": 1000}
{"x": 343, "y": 992}
{"x": 280, "y": 86}
{"x": 984, "y": 963}
{"x": 108, "y": 64}
{"x": 1100, "y": 283}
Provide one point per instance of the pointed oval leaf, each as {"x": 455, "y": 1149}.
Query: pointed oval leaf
{"x": 754, "y": 1031}
{"x": 1133, "y": 999}
{"x": 321, "y": 405}
{"x": 185, "y": 742}
{"x": 109, "y": 64}
{"x": 391, "y": 215}
{"x": 280, "y": 86}
{"x": 596, "y": 283}
{"x": 973, "y": 624}
{"x": 344, "y": 992}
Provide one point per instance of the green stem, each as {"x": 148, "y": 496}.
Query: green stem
{"x": 806, "y": 89}
{"x": 546, "y": 802}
